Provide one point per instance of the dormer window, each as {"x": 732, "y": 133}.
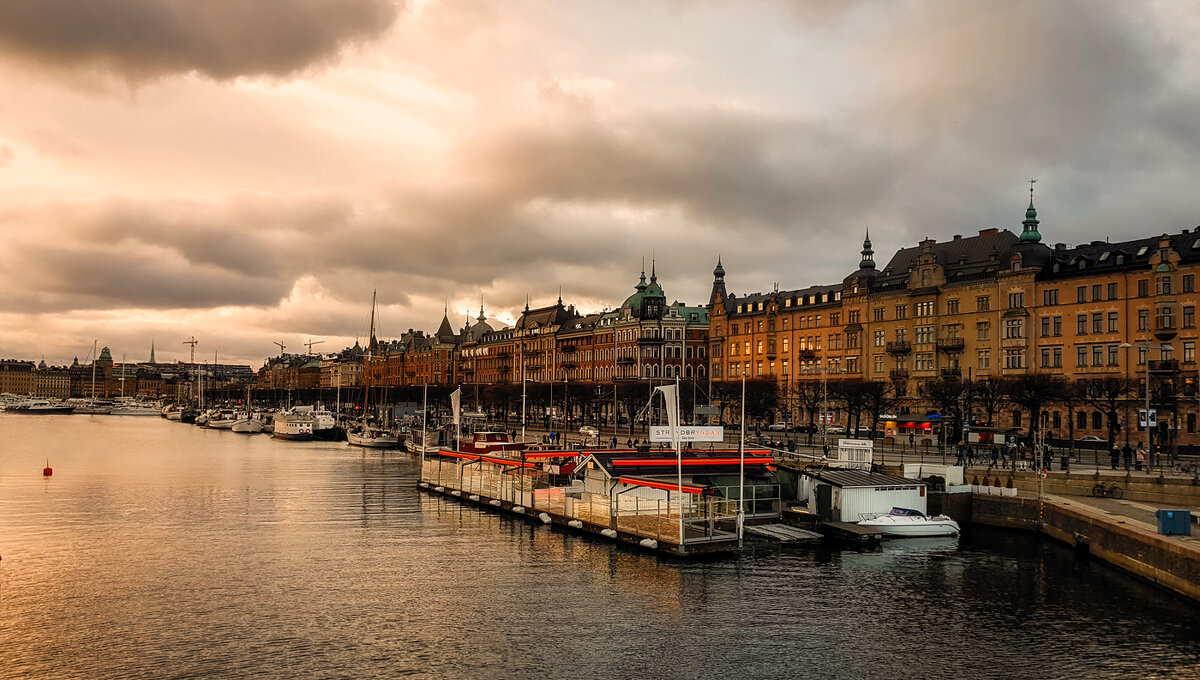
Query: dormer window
{"x": 1016, "y": 265}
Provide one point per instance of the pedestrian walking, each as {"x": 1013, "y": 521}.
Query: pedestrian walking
{"x": 995, "y": 455}
{"x": 1127, "y": 456}
{"x": 1139, "y": 457}
{"x": 1114, "y": 456}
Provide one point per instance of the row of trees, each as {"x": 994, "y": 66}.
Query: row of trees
{"x": 863, "y": 401}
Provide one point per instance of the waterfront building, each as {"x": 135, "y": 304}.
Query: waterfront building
{"x": 16, "y": 377}
{"x": 993, "y": 305}
{"x": 51, "y": 381}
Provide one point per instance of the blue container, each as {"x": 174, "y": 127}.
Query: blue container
{"x": 1174, "y": 522}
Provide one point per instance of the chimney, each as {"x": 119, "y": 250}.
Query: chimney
{"x": 988, "y": 232}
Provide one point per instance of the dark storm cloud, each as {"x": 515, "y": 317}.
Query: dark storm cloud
{"x": 222, "y": 39}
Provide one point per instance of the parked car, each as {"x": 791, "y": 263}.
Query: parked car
{"x": 835, "y": 429}
{"x": 1090, "y": 438}
{"x": 781, "y": 427}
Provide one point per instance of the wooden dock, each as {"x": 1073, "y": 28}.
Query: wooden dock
{"x": 851, "y": 533}
{"x": 783, "y": 533}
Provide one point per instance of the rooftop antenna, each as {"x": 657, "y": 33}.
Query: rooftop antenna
{"x": 312, "y": 342}
{"x": 281, "y": 347}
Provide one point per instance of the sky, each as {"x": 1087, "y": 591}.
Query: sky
{"x": 250, "y": 172}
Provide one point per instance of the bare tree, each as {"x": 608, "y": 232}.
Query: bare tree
{"x": 1108, "y": 395}
{"x": 1032, "y": 392}
{"x": 948, "y": 395}
{"x": 988, "y": 392}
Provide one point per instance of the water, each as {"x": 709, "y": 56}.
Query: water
{"x": 161, "y": 550}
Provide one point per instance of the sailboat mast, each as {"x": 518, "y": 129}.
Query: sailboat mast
{"x": 94, "y": 358}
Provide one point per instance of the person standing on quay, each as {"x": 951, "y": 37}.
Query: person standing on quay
{"x": 1115, "y": 456}
{"x": 1139, "y": 457}
{"x": 1127, "y": 454}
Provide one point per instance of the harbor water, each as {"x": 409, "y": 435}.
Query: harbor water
{"x": 162, "y": 550}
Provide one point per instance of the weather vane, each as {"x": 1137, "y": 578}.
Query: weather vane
{"x": 1031, "y": 183}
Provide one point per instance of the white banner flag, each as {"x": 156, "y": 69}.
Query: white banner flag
{"x": 456, "y": 403}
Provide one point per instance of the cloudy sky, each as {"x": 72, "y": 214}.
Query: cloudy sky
{"x": 248, "y": 172}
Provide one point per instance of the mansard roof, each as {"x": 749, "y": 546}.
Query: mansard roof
{"x": 800, "y": 297}
{"x": 1088, "y": 258}
{"x": 554, "y": 315}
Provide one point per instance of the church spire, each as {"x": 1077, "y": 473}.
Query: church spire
{"x": 152, "y": 361}
{"x": 1030, "y": 232}
{"x": 868, "y": 255}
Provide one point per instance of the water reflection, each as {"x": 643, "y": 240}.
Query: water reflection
{"x": 162, "y": 550}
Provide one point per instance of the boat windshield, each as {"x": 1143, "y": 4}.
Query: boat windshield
{"x": 906, "y": 512}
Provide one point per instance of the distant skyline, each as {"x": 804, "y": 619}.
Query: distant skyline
{"x": 249, "y": 172}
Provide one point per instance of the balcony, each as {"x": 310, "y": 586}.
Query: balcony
{"x": 950, "y": 345}
{"x": 650, "y": 341}
{"x": 1164, "y": 328}
{"x": 899, "y": 347}
{"x": 952, "y": 372}
{"x": 898, "y": 373}
{"x": 1164, "y": 366}
{"x": 806, "y": 354}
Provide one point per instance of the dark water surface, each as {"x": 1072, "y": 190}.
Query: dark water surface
{"x": 161, "y": 550}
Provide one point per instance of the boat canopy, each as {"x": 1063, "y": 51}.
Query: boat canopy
{"x": 906, "y": 512}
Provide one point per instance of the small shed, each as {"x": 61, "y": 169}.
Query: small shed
{"x": 851, "y": 495}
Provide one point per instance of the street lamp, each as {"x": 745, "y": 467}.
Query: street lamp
{"x": 1147, "y": 346}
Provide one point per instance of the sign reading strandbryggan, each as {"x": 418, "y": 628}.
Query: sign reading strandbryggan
{"x": 688, "y": 433}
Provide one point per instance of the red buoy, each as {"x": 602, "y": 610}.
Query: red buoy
{"x": 47, "y": 471}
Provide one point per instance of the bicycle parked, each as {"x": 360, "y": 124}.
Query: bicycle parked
{"x": 1102, "y": 490}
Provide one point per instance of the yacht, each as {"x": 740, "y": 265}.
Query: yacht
{"x": 293, "y": 426}
{"x": 40, "y": 407}
{"x": 905, "y": 522}
{"x": 135, "y": 408}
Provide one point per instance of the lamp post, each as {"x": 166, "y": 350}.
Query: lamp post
{"x": 1149, "y": 445}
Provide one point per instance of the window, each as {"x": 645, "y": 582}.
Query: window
{"x": 985, "y": 359}
{"x": 1164, "y": 285}
{"x": 785, "y": 323}
{"x": 1189, "y": 352}
{"x": 1112, "y": 291}
{"x": 1081, "y": 420}
{"x": 1016, "y": 300}
{"x": 1081, "y": 324}
{"x": 760, "y": 323}
{"x": 1097, "y": 322}
{"x": 923, "y": 361}
{"x": 1191, "y": 423}
{"x": 1081, "y": 355}
{"x": 901, "y": 311}
{"x": 1113, "y": 322}
{"x": 1045, "y": 326}
{"x": 747, "y": 344}
{"x": 1189, "y": 316}
{"x": 1098, "y": 355}
{"x": 1096, "y": 294}
{"x": 1081, "y": 294}
{"x": 1097, "y": 420}
{"x": 923, "y": 334}
{"x": 1045, "y": 357}
{"x": 835, "y": 319}
{"x": 901, "y": 334}
{"x": 1014, "y": 358}
{"x": 835, "y": 341}
{"x": 879, "y": 363}
{"x": 785, "y": 345}
{"x": 759, "y": 368}
{"x": 982, "y": 303}
{"x": 879, "y": 338}
{"x": 1014, "y": 329}
{"x": 1057, "y": 326}
{"x": 771, "y": 324}
{"x": 760, "y": 346}
{"x": 1016, "y": 419}
{"x": 1143, "y": 320}
{"x": 952, "y": 306}
{"x": 1166, "y": 318}
{"x": 852, "y": 316}
{"x": 1143, "y": 287}
{"x": 1142, "y": 354}
{"x": 1050, "y": 297}
{"x": 983, "y": 330}
{"x": 852, "y": 341}
{"x": 733, "y": 348}
{"x": 877, "y": 314}
{"x": 1114, "y": 358}
{"x": 1189, "y": 283}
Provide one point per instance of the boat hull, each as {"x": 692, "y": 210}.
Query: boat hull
{"x": 372, "y": 441}
{"x": 925, "y": 529}
{"x": 247, "y": 427}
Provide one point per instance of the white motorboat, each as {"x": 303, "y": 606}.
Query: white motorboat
{"x": 135, "y": 408}
{"x": 905, "y": 522}
{"x": 371, "y": 438}
{"x": 222, "y": 420}
{"x": 93, "y": 406}
{"x": 40, "y": 407}
{"x": 248, "y": 425}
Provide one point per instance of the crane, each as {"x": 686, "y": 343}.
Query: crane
{"x": 312, "y": 342}
{"x": 281, "y": 347}
{"x": 191, "y": 341}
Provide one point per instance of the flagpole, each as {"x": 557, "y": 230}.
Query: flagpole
{"x": 679, "y": 462}
{"x": 741, "y": 512}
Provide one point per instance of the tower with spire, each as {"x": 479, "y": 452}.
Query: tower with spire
{"x": 868, "y": 255}
{"x": 718, "y": 286}
{"x": 1030, "y": 232}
